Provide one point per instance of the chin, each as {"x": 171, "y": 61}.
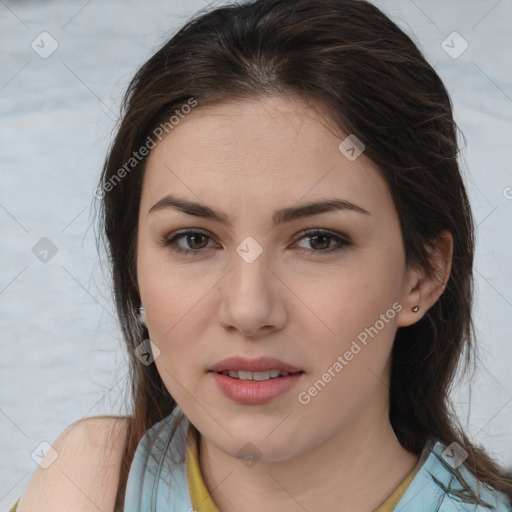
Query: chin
{"x": 253, "y": 445}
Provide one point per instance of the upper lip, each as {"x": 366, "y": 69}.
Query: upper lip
{"x": 254, "y": 365}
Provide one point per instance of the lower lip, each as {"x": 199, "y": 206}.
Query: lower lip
{"x": 251, "y": 392}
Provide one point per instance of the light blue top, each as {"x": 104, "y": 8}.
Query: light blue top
{"x": 157, "y": 483}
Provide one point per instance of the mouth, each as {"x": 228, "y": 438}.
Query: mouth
{"x": 256, "y": 376}
{"x": 261, "y": 369}
{"x": 254, "y": 381}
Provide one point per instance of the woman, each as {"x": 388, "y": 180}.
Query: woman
{"x": 288, "y": 225}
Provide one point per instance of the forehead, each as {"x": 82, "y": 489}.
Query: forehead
{"x": 273, "y": 150}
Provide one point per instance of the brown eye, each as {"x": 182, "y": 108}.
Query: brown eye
{"x": 187, "y": 242}
{"x": 322, "y": 241}
{"x": 195, "y": 240}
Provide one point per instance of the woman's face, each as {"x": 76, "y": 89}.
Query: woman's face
{"x": 260, "y": 281}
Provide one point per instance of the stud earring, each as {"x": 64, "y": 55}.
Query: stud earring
{"x": 142, "y": 315}
{"x": 416, "y": 309}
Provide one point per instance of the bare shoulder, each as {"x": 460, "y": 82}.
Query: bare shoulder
{"x": 82, "y": 472}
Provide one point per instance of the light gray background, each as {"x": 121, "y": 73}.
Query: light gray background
{"x": 62, "y": 355}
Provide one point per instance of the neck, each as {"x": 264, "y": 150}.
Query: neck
{"x": 358, "y": 468}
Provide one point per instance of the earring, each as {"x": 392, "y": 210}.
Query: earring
{"x": 142, "y": 315}
{"x": 416, "y": 309}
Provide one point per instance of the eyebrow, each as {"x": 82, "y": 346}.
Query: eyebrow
{"x": 278, "y": 217}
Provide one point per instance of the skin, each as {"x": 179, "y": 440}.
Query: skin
{"x": 248, "y": 158}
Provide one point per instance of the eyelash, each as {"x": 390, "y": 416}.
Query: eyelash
{"x": 171, "y": 241}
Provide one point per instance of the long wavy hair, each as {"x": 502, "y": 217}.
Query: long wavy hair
{"x": 375, "y": 83}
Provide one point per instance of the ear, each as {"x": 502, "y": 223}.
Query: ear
{"x": 423, "y": 290}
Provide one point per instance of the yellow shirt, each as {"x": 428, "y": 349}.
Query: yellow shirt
{"x": 202, "y": 501}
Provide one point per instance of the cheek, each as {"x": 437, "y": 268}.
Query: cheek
{"x": 353, "y": 328}
{"x": 177, "y": 312}
{"x": 348, "y": 368}
{"x": 175, "y": 326}
{"x": 175, "y": 315}
{"x": 349, "y": 299}
{"x": 171, "y": 292}
{"x": 180, "y": 304}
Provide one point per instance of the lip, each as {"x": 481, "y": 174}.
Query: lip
{"x": 254, "y": 392}
{"x": 251, "y": 392}
{"x": 254, "y": 365}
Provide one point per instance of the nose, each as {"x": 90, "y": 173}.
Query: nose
{"x": 252, "y": 299}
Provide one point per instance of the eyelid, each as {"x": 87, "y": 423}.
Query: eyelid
{"x": 341, "y": 239}
{"x": 323, "y": 231}
{"x": 173, "y": 237}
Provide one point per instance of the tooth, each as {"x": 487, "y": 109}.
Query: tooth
{"x": 261, "y": 375}
{"x": 257, "y": 376}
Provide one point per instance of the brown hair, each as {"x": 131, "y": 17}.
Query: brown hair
{"x": 375, "y": 83}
